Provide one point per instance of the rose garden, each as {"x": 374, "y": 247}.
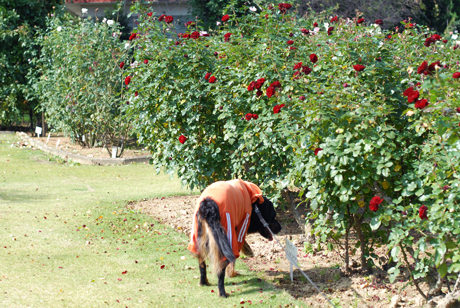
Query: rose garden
{"x": 359, "y": 124}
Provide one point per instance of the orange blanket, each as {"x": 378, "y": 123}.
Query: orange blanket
{"x": 235, "y": 199}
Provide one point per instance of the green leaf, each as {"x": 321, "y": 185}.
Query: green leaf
{"x": 375, "y": 223}
{"x": 442, "y": 269}
{"x": 338, "y": 179}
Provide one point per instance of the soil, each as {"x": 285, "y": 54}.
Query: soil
{"x": 325, "y": 268}
{"x": 66, "y": 144}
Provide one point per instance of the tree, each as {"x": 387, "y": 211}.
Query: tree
{"x": 19, "y": 22}
{"x": 441, "y": 13}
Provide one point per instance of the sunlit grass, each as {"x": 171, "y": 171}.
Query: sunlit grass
{"x": 67, "y": 240}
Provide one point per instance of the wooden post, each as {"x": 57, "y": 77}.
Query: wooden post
{"x": 43, "y": 124}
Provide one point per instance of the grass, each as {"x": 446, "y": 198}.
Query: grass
{"x": 67, "y": 240}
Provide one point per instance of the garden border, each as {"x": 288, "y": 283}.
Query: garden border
{"x": 80, "y": 158}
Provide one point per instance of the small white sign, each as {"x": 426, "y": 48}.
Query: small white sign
{"x": 291, "y": 255}
{"x": 57, "y": 143}
{"x": 114, "y": 152}
{"x": 48, "y": 139}
{"x": 38, "y": 130}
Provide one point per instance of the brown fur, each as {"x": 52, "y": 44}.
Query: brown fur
{"x": 246, "y": 249}
{"x": 208, "y": 248}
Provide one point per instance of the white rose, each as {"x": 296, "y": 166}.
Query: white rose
{"x": 104, "y": 20}
{"x": 84, "y": 11}
{"x": 110, "y": 22}
{"x": 253, "y": 9}
{"x": 59, "y": 28}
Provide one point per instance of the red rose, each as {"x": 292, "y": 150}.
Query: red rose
{"x": 207, "y": 76}
{"x": 132, "y": 36}
{"x": 136, "y": 93}
{"x": 290, "y": 42}
{"x": 177, "y": 43}
{"x": 420, "y": 104}
{"x": 297, "y": 66}
{"x": 284, "y": 6}
{"x": 212, "y": 79}
{"x": 423, "y": 212}
{"x": 275, "y": 84}
{"x": 277, "y": 108}
{"x": 195, "y": 35}
{"x": 329, "y": 30}
{"x": 169, "y": 19}
{"x": 302, "y": 97}
{"x": 378, "y": 59}
{"x": 227, "y": 37}
{"x": 146, "y": 61}
{"x": 428, "y": 41}
{"x": 335, "y": 18}
{"x": 315, "y": 24}
{"x": 270, "y": 91}
{"x": 413, "y": 96}
{"x": 122, "y": 64}
{"x": 296, "y": 75}
{"x": 432, "y": 67}
{"x": 248, "y": 116}
{"x": 305, "y": 31}
{"x": 458, "y": 110}
{"x": 162, "y": 17}
{"x": 258, "y": 84}
{"x": 374, "y": 204}
{"x": 127, "y": 80}
{"x": 456, "y": 75}
{"x": 421, "y": 69}
{"x": 408, "y": 91}
{"x": 359, "y": 67}
{"x": 379, "y": 22}
{"x": 361, "y": 20}
{"x": 225, "y": 18}
{"x": 259, "y": 93}
{"x": 255, "y": 116}
{"x": 182, "y": 139}
{"x": 445, "y": 41}
{"x": 317, "y": 151}
{"x": 251, "y": 86}
{"x": 313, "y": 58}
{"x": 306, "y": 70}
{"x": 292, "y": 48}
{"x": 149, "y": 14}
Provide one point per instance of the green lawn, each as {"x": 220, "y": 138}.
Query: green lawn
{"x": 67, "y": 240}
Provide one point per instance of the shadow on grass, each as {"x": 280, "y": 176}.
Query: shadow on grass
{"x": 20, "y": 196}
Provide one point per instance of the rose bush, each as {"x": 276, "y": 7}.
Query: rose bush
{"x": 369, "y": 155}
{"x": 81, "y": 81}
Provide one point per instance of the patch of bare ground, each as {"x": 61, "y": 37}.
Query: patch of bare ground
{"x": 325, "y": 268}
{"x": 65, "y": 143}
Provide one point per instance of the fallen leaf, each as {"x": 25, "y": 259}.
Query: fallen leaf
{"x": 124, "y": 273}
{"x": 162, "y": 267}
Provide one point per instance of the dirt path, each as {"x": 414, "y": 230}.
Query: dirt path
{"x": 323, "y": 267}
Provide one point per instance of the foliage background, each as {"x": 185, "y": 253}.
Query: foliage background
{"x": 20, "y": 20}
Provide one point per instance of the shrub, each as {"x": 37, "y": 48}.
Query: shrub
{"x": 336, "y": 108}
{"x": 81, "y": 84}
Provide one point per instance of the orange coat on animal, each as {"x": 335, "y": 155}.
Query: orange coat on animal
{"x": 235, "y": 199}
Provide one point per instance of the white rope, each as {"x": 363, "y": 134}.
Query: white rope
{"x": 306, "y": 276}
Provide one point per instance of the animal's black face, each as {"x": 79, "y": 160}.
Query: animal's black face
{"x": 269, "y": 214}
